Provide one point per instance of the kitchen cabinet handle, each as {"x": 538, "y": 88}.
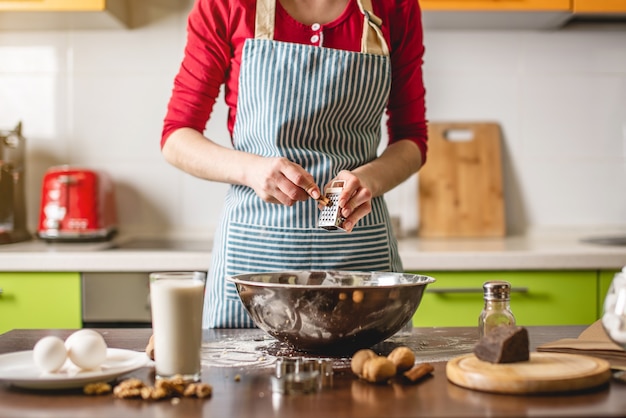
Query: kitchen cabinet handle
{"x": 471, "y": 290}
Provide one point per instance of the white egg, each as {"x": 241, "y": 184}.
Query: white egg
{"x": 49, "y": 354}
{"x": 80, "y": 333}
{"x": 86, "y": 350}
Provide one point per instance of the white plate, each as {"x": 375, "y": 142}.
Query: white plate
{"x": 19, "y": 369}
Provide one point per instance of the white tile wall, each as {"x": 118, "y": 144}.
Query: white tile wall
{"x": 97, "y": 98}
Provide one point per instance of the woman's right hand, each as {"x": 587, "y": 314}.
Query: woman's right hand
{"x": 278, "y": 180}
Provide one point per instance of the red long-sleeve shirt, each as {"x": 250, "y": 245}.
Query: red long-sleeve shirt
{"x": 217, "y": 30}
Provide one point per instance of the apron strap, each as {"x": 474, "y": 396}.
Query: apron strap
{"x": 372, "y": 40}
{"x": 264, "y": 22}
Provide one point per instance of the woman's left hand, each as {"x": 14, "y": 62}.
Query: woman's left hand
{"x": 355, "y": 200}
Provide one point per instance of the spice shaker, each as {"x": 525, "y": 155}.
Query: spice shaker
{"x": 497, "y": 309}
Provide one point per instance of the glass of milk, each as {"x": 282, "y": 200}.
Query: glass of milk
{"x": 177, "y": 299}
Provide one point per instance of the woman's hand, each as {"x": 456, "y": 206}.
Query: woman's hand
{"x": 355, "y": 200}
{"x": 397, "y": 163}
{"x": 278, "y": 180}
{"x": 275, "y": 180}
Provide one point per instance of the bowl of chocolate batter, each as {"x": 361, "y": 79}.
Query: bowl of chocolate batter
{"x": 331, "y": 311}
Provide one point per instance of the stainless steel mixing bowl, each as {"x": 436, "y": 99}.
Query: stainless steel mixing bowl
{"x": 331, "y": 311}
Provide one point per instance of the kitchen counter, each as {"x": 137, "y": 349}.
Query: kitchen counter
{"x": 118, "y": 255}
{"x": 555, "y": 251}
{"x": 545, "y": 252}
{"x": 250, "y": 395}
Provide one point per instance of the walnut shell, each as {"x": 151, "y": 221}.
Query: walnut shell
{"x": 359, "y": 358}
{"x": 378, "y": 369}
{"x": 403, "y": 358}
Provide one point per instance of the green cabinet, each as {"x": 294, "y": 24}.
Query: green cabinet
{"x": 39, "y": 300}
{"x": 537, "y": 297}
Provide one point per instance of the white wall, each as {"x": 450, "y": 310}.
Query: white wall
{"x": 97, "y": 99}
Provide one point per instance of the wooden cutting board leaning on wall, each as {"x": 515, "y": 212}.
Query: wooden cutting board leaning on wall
{"x": 460, "y": 187}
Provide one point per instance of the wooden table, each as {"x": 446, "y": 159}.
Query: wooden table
{"x": 248, "y": 355}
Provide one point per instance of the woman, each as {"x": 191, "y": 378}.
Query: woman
{"x": 306, "y": 83}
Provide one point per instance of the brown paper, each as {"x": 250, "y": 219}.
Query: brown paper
{"x": 593, "y": 341}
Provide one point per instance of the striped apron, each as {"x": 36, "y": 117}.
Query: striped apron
{"x": 320, "y": 108}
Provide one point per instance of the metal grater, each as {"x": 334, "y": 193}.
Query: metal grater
{"x": 330, "y": 219}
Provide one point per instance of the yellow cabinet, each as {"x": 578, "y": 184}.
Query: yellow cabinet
{"x": 55, "y": 5}
{"x": 495, "y": 14}
{"x": 39, "y": 300}
{"x": 63, "y": 14}
{"x": 496, "y": 5}
{"x": 599, "y": 6}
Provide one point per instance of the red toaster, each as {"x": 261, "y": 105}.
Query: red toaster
{"x": 77, "y": 205}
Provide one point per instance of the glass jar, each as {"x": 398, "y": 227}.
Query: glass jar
{"x": 497, "y": 309}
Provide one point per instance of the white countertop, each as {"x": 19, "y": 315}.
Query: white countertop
{"x": 510, "y": 253}
{"x": 36, "y": 255}
{"x": 561, "y": 251}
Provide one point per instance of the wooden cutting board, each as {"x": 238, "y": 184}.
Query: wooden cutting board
{"x": 460, "y": 186}
{"x": 543, "y": 373}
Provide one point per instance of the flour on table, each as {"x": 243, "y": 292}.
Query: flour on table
{"x": 238, "y": 352}
{"x": 222, "y": 349}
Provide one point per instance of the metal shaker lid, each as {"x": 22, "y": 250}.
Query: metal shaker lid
{"x": 497, "y": 290}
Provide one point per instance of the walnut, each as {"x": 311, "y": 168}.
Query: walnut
{"x": 97, "y": 388}
{"x": 129, "y": 388}
{"x": 153, "y": 393}
{"x": 378, "y": 369}
{"x": 174, "y": 386}
{"x": 163, "y": 389}
{"x": 199, "y": 390}
{"x": 403, "y": 358}
{"x": 132, "y": 383}
{"x": 190, "y": 390}
{"x": 203, "y": 390}
{"x": 359, "y": 358}
{"x": 125, "y": 393}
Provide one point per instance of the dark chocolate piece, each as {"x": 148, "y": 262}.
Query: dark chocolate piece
{"x": 504, "y": 344}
